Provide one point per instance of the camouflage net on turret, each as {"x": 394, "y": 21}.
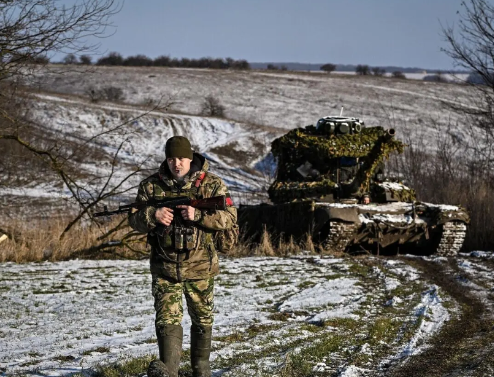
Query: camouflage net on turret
{"x": 299, "y": 146}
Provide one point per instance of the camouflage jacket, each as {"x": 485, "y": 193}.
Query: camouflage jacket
{"x": 202, "y": 261}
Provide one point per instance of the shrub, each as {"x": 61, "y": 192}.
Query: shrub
{"x": 110, "y": 93}
{"x": 377, "y": 71}
{"x": 85, "y": 60}
{"x": 113, "y": 58}
{"x": 328, "y": 67}
{"x": 362, "y": 70}
{"x": 138, "y": 61}
{"x": 212, "y": 107}
{"x": 70, "y": 59}
{"x": 113, "y": 93}
{"x": 438, "y": 77}
{"x": 398, "y": 75}
{"x": 162, "y": 61}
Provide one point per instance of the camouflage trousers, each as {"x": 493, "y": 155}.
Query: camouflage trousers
{"x": 168, "y": 301}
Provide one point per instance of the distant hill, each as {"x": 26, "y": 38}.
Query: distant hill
{"x": 345, "y": 67}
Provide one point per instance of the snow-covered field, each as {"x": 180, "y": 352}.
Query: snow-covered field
{"x": 65, "y": 317}
{"x": 278, "y": 99}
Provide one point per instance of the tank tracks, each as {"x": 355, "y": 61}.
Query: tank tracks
{"x": 340, "y": 236}
{"x": 452, "y": 237}
{"x": 450, "y": 242}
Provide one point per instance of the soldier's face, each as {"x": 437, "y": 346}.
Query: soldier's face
{"x": 179, "y": 166}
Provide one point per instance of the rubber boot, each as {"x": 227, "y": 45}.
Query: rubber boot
{"x": 157, "y": 369}
{"x": 170, "y": 347}
{"x": 200, "y": 349}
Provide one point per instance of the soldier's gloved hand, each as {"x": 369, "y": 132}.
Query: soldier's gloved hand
{"x": 164, "y": 215}
{"x": 187, "y": 212}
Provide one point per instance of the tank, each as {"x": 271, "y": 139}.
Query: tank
{"x": 330, "y": 184}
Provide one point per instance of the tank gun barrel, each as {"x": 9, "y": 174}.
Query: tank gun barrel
{"x": 390, "y": 133}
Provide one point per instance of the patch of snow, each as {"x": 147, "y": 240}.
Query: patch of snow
{"x": 322, "y": 294}
{"x": 353, "y": 371}
{"x": 432, "y": 315}
{"x": 394, "y": 186}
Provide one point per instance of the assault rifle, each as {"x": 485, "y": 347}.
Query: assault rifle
{"x": 214, "y": 203}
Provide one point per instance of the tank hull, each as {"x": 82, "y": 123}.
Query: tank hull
{"x": 420, "y": 228}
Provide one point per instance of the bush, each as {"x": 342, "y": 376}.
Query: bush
{"x": 398, "y": 75}
{"x": 328, "y": 67}
{"x": 110, "y": 93}
{"x": 138, "y": 61}
{"x": 377, "y": 71}
{"x": 212, "y": 107}
{"x": 438, "y": 77}
{"x": 113, "y": 58}
{"x": 362, "y": 70}
{"x": 162, "y": 61}
{"x": 85, "y": 60}
{"x": 113, "y": 93}
{"x": 70, "y": 59}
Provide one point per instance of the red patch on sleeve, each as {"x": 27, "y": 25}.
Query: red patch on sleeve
{"x": 199, "y": 180}
{"x": 229, "y": 201}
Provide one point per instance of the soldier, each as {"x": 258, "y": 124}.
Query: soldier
{"x": 182, "y": 264}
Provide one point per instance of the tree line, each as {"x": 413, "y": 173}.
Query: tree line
{"x": 140, "y": 60}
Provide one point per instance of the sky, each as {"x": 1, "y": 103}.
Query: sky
{"x": 402, "y": 33}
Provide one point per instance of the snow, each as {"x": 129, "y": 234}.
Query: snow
{"x": 393, "y": 186}
{"x": 432, "y": 315}
{"x": 280, "y": 99}
{"x": 330, "y": 292}
{"x": 353, "y": 371}
{"x": 68, "y": 309}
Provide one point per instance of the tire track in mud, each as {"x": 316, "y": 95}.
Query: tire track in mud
{"x": 465, "y": 345}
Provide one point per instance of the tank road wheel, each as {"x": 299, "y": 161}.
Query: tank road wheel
{"x": 339, "y": 237}
{"x": 452, "y": 237}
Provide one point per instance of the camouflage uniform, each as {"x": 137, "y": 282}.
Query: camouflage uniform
{"x": 196, "y": 267}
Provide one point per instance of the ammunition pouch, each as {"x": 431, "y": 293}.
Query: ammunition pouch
{"x": 184, "y": 238}
{"x": 175, "y": 238}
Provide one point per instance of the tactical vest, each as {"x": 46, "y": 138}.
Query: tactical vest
{"x": 181, "y": 236}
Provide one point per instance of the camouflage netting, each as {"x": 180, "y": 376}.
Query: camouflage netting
{"x": 309, "y": 145}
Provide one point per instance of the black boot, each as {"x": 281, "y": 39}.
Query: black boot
{"x": 200, "y": 349}
{"x": 170, "y": 347}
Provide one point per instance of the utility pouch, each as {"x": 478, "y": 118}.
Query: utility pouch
{"x": 184, "y": 238}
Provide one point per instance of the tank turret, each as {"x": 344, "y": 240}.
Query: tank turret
{"x": 337, "y": 159}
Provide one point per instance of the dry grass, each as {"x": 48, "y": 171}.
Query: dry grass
{"x": 272, "y": 246}
{"x": 41, "y": 241}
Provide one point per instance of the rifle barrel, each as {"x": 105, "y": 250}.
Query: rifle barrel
{"x": 213, "y": 203}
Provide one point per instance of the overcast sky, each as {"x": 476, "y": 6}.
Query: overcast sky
{"x": 404, "y": 33}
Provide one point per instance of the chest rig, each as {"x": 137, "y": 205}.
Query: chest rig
{"x": 181, "y": 235}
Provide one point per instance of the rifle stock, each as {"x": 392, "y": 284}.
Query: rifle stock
{"x": 213, "y": 203}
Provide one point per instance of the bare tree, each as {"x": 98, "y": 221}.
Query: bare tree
{"x": 29, "y": 31}
{"x": 470, "y": 43}
{"x": 33, "y": 28}
{"x": 471, "y": 46}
